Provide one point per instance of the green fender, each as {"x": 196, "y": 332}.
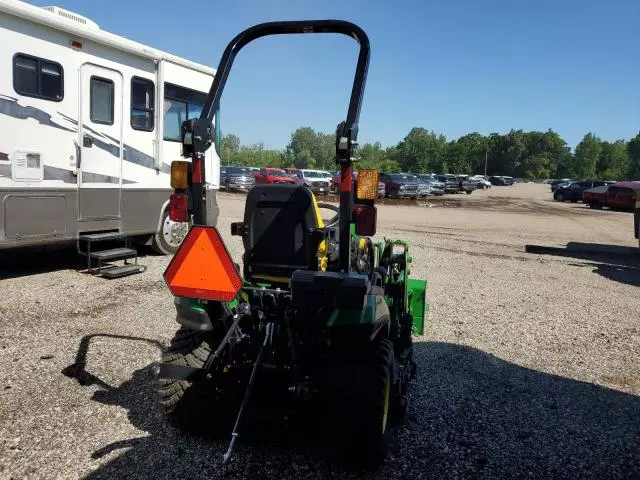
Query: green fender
{"x": 375, "y": 312}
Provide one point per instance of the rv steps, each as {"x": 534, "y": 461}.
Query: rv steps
{"x": 87, "y": 248}
{"x": 122, "y": 271}
{"x": 101, "y": 237}
{"x": 113, "y": 254}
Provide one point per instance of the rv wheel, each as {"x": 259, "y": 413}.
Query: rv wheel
{"x": 170, "y": 236}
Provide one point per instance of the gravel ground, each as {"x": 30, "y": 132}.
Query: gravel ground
{"x": 529, "y": 367}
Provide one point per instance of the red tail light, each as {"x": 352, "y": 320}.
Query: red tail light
{"x": 179, "y": 207}
{"x": 365, "y": 220}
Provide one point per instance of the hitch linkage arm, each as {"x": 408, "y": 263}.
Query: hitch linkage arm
{"x": 268, "y": 332}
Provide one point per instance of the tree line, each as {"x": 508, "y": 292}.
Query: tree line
{"x": 529, "y": 155}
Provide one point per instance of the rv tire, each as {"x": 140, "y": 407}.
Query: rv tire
{"x": 165, "y": 242}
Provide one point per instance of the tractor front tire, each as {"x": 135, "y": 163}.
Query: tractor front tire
{"x": 367, "y": 386}
{"x": 196, "y": 407}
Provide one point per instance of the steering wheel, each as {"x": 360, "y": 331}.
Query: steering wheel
{"x": 333, "y": 221}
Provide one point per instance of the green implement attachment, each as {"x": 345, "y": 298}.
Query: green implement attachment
{"x": 418, "y": 306}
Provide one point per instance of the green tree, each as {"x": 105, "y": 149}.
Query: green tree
{"x": 325, "y": 151}
{"x": 506, "y": 153}
{"x": 613, "y": 162}
{"x": 421, "y": 150}
{"x": 472, "y": 149}
{"x": 536, "y": 167}
{"x": 310, "y": 149}
{"x": 633, "y": 150}
{"x": 370, "y": 155}
{"x": 305, "y": 160}
{"x": 229, "y": 147}
{"x": 304, "y": 142}
{"x": 543, "y": 152}
{"x": 586, "y": 156}
{"x": 456, "y": 158}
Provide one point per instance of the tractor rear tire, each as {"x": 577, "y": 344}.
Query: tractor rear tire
{"x": 194, "y": 407}
{"x": 366, "y": 384}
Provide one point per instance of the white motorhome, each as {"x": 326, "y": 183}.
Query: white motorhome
{"x": 89, "y": 125}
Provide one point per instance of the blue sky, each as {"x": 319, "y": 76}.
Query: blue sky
{"x": 451, "y": 66}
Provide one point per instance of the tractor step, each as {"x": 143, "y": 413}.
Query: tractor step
{"x": 113, "y": 254}
{"x": 122, "y": 271}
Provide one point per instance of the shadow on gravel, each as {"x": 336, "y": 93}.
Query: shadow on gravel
{"x": 615, "y": 262}
{"x": 22, "y": 262}
{"x": 26, "y": 261}
{"x": 479, "y": 416}
{"x": 472, "y": 415}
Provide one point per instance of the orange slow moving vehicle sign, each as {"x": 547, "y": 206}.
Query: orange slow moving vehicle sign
{"x": 202, "y": 267}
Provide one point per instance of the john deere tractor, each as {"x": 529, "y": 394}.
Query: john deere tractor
{"x": 321, "y": 318}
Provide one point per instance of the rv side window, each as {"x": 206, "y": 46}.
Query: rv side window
{"x": 142, "y": 103}
{"x": 37, "y": 77}
{"x": 101, "y": 100}
{"x": 180, "y": 104}
{"x": 175, "y": 113}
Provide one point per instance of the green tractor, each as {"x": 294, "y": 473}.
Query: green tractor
{"x": 321, "y": 319}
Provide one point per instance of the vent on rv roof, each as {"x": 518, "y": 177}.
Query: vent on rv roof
{"x": 74, "y": 17}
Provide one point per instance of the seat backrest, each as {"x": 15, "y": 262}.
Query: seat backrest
{"x": 279, "y": 222}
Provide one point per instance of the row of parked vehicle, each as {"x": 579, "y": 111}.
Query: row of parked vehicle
{"x": 597, "y": 193}
{"x": 243, "y": 178}
{"x": 391, "y": 185}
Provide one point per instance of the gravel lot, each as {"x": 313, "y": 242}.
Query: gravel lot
{"x": 530, "y": 366}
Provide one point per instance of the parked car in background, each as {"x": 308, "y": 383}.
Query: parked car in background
{"x": 573, "y": 191}
{"x": 236, "y": 178}
{"x": 424, "y": 188}
{"x": 595, "y": 197}
{"x": 399, "y": 185}
{"x": 465, "y": 185}
{"x": 450, "y": 182}
{"x": 501, "y": 180}
{"x": 554, "y": 183}
{"x": 480, "y": 182}
{"x": 327, "y": 175}
{"x": 273, "y": 175}
{"x": 314, "y": 180}
{"x": 617, "y": 196}
{"x": 436, "y": 187}
{"x": 291, "y": 171}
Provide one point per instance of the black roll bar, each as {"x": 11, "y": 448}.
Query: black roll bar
{"x": 197, "y": 135}
{"x": 212, "y": 102}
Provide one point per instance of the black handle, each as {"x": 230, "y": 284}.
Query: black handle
{"x": 87, "y": 141}
{"x": 78, "y": 155}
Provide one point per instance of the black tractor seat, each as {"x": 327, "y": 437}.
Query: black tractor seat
{"x": 279, "y": 232}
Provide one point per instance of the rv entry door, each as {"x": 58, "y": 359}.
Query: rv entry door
{"x": 100, "y": 142}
